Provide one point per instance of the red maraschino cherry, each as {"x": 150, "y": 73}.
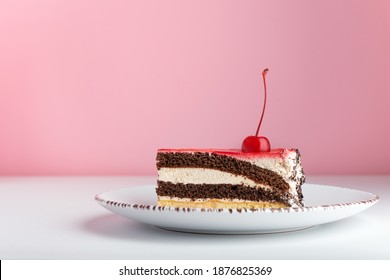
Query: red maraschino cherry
{"x": 257, "y": 144}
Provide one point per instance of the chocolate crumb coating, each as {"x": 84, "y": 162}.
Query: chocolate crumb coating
{"x": 300, "y": 180}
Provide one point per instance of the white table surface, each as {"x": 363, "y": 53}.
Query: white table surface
{"x": 57, "y": 218}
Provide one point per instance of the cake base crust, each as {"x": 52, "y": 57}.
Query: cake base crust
{"x": 217, "y": 203}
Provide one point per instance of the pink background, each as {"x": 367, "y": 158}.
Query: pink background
{"x": 95, "y": 87}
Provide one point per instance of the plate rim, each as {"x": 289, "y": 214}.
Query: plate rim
{"x": 136, "y": 206}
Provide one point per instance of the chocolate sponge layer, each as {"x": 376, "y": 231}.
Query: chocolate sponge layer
{"x": 220, "y": 191}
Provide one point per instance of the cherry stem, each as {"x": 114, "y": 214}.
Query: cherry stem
{"x": 265, "y": 101}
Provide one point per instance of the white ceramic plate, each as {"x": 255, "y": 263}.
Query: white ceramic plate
{"x": 324, "y": 204}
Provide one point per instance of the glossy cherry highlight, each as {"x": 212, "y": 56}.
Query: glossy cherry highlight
{"x": 256, "y": 144}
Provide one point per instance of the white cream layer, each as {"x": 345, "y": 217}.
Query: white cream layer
{"x": 204, "y": 176}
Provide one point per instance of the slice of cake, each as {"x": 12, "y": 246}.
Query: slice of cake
{"x": 199, "y": 178}
{"x": 254, "y": 177}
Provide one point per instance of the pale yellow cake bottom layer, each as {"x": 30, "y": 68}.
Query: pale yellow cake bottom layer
{"x": 216, "y": 203}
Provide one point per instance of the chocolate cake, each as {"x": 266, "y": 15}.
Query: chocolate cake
{"x": 229, "y": 178}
